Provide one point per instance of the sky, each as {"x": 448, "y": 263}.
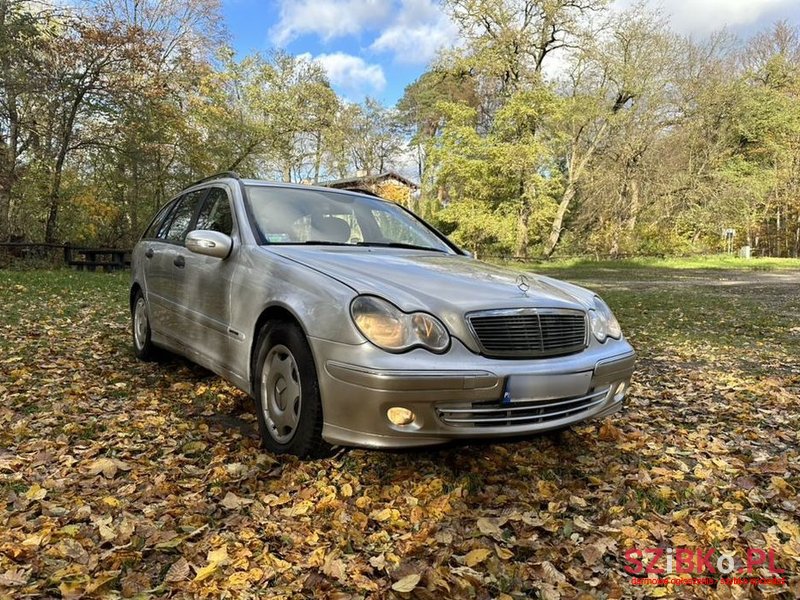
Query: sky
{"x": 377, "y": 47}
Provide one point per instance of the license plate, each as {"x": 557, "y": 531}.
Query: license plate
{"x": 524, "y": 388}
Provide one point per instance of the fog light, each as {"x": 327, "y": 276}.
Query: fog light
{"x": 400, "y": 416}
{"x": 619, "y": 394}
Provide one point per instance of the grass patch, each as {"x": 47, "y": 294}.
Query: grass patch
{"x": 651, "y": 267}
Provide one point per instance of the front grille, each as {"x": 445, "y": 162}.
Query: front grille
{"x": 529, "y": 333}
{"x": 496, "y": 414}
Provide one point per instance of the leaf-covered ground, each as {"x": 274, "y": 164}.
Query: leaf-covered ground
{"x": 120, "y": 478}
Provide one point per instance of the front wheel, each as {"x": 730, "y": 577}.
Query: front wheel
{"x": 287, "y": 393}
{"x": 143, "y": 346}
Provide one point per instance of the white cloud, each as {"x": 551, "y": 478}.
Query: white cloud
{"x": 350, "y": 73}
{"x": 418, "y": 31}
{"x": 327, "y": 18}
{"x": 701, "y": 17}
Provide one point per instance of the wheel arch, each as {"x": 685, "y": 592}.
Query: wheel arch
{"x": 135, "y": 289}
{"x": 273, "y": 313}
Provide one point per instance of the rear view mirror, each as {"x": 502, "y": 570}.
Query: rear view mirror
{"x": 209, "y": 243}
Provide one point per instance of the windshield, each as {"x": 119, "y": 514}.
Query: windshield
{"x": 288, "y": 215}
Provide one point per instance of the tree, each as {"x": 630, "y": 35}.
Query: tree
{"x": 617, "y": 82}
{"x": 21, "y": 31}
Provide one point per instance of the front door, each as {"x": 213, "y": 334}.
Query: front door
{"x": 206, "y": 284}
{"x": 166, "y": 285}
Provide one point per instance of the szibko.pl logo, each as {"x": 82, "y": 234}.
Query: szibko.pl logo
{"x": 661, "y": 561}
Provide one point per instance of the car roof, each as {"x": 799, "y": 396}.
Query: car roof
{"x": 278, "y": 184}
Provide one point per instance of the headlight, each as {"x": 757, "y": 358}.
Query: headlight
{"x": 388, "y": 327}
{"x": 603, "y": 322}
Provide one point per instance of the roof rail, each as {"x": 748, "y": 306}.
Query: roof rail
{"x": 220, "y": 175}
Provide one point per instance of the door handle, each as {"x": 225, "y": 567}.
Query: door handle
{"x": 179, "y": 261}
{"x": 149, "y": 253}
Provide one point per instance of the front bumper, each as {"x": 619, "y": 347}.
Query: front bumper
{"x": 461, "y": 394}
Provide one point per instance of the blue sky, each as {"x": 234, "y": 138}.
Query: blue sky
{"x": 377, "y": 47}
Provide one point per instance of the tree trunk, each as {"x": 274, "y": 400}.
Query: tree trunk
{"x": 53, "y": 202}
{"x": 317, "y": 156}
{"x": 575, "y": 172}
{"x": 522, "y": 231}
{"x": 558, "y": 221}
{"x": 5, "y": 211}
{"x": 633, "y": 206}
{"x": 54, "y": 196}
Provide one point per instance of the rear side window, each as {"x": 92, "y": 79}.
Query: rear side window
{"x": 216, "y": 212}
{"x": 158, "y": 220}
{"x": 182, "y": 216}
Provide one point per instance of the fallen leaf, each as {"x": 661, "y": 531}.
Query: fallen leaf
{"x": 406, "y": 584}
{"x": 477, "y": 556}
{"x": 14, "y": 577}
{"x": 108, "y": 467}
{"x": 178, "y": 571}
{"x": 35, "y": 492}
{"x": 233, "y": 502}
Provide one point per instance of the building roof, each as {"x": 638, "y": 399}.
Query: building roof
{"x": 370, "y": 179}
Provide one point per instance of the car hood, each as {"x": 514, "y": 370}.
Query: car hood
{"x": 440, "y": 283}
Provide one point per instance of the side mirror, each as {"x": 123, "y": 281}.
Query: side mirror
{"x": 209, "y": 243}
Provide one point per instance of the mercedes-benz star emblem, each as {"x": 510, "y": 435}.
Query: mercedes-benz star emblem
{"x": 523, "y": 284}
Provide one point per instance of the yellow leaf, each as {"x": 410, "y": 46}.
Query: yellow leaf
{"x": 206, "y": 572}
{"x": 108, "y": 467}
{"x": 382, "y": 515}
{"x": 35, "y": 492}
{"x": 301, "y": 508}
{"x": 218, "y": 556}
{"x": 317, "y": 557}
{"x": 701, "y": 473}
{"x": 347, "y": 490}
{"x": 72, "y": 589}
{"x": 790, "y": 529}
{"x": 238, "y": 579}
{"x": 34, "y": 540}
{"x": 476, "y": 556}
{"x": 406, "y": 584}
{"x": 503, "y": 553}
{"x": 111, "y": 501}
{"x": 255, "y": 574}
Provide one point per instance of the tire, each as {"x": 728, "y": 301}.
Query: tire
{"x": 287, "y": 395}
{"x": 143, "y": 346}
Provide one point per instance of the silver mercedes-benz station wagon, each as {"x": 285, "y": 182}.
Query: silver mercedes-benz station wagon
{"x": 353, "y": 322}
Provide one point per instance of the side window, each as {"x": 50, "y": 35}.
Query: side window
{"x": 158, "y": 220}
{"x": 216, "y": 212}
{"x": 182, "y": 216}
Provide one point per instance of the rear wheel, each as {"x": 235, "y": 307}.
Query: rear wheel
{"x": 142, "y": 344}
{"x": 287, "y": 393}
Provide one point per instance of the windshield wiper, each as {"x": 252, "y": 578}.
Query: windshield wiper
{"x": 400, "y": 245}
{"x": 322, "y": 243}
